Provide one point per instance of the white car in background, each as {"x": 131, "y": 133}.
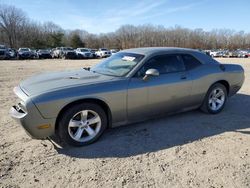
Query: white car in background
{"x": 242, "y": 53}
{"x": 214, "y": 53}
{"x": 103, "y": 52}
{"x": 84, "y": 53}
{"x": 114, "y": 51}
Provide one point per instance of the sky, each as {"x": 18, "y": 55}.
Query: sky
{"x": 102, "y": 16}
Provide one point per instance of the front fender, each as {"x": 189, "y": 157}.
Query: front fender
{"x": 114, "y": 94}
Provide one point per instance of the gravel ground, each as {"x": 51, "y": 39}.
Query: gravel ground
{"x": 186, "y": 150}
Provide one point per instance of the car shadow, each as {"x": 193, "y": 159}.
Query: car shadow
{"x": 166, "y": 132}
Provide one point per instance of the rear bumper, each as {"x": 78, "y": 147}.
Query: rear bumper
{"x": 234, "y": 89}
{"x": 31, "y": 120}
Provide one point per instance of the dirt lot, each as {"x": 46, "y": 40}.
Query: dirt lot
{"x": 185, "y": 150}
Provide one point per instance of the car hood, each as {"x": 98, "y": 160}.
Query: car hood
{"x": 59, "y": 80}
{"x": 43, "y": 53}
{"x": 68, "y": 51}
{"x": 25, "y": 52}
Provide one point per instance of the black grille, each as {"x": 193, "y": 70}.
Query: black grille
{"x": 71, "y": 53}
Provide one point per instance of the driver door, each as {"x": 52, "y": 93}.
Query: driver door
{"x": 165, "y": 93}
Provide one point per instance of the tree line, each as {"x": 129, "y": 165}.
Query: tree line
{"x": 17, "y": 30}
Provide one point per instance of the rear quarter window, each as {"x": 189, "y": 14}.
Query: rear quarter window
{"x": 204, "y": 59}
{"x": 190, "y": 62}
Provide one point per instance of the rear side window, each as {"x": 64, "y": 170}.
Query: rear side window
{"x": 190, "y": 62}
{"x": 164, "y": 64}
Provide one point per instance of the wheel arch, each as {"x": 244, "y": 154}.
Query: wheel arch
{"x": 99, "y": 102}
{"x": 224, "y": 83}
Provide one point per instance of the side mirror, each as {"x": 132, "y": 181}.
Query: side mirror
{"x": 151, "y": 72}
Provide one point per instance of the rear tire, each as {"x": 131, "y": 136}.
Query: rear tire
{"x": 82, "y": 124}
{"x": 215, "y": 99}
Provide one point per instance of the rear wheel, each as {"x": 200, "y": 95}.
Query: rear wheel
{"x": 82, "y": 124}
{"x": 215, "y": 99}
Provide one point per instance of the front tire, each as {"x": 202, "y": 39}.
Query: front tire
{"x": 82, "y": 124}
{"x": 215, "y": 99}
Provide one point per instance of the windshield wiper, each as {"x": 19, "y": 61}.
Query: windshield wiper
{"x": 86, "y": 68}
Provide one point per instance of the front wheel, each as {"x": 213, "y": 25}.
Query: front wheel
{"x": 82, "y": 124}
{"x": 215, "y": 99}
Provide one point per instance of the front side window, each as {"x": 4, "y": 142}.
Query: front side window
{"x": 164, "y": 64}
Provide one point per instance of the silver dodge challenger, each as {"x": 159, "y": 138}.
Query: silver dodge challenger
{"x": 130, "y": 86}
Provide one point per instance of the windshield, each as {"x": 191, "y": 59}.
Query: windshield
{"x": 118, "y": 65}
{"x": 104, "y": 49}
{"x": 24, "y": 49}
{"x": 84, "y": 50}
{"x": 43, "y": 51}
{"x": 2, "y": 47}
{"x": 67, "y": 49}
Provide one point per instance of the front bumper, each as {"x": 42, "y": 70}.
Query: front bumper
{"x": 106, "y": 55}
{"x": 70, "y": 56}
{"x": 26, "y": 114}
{"x": 25, "y": 56}
{"x": 45, "y": 56}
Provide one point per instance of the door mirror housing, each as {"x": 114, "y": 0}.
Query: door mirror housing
{"x": 151, "y": 72}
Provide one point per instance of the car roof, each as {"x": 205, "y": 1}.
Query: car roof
{"x": 152, "y": 50}
{"x": 148, "y": 51}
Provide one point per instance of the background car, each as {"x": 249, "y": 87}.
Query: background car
{"x": 34, "y": 54}
{"x": 114, "y": 51}
{"x": 24, "y": 53}
{"x": 214, "y": 53}
{"x": 3, "y": 52}
{"x": 66, "y": 53}
{"x": 103, "y": 52}
{"x": 44, "y": 54}
{"x": 247, "y": 54}
{"x": 233, "y": 53}
{"x": 12, "y": 53}
{"x": 84, "y": 53}
{"x": 55, "y": 52}
{"x": 93, "y": 51}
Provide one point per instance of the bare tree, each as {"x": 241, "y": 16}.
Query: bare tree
{"x": 12, "y": 20}
{"x": 17, "y": 30}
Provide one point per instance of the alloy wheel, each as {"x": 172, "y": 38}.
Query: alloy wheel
{"x": 216, "y": 99}
{"x": 84, "y": 125}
